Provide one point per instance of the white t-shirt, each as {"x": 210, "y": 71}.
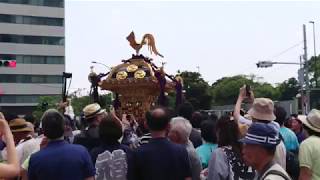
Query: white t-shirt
{"x": 280, "y": 155}
{"x": 276, "y": 167}
{"x": 24, "y": 149}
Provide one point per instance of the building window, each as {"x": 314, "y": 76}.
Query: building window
{"x": 19, "y": 98}
{"x": 48, "y": 40}
{"x": 21, "y": 78}
{"x": 17, "y": 19}
{"x": 49, "y": 3}
{"x": 29, "y": 59}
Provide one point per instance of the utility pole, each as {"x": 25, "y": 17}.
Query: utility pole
{"x": 301, "y": 82}
{"x": 306, "y": 68}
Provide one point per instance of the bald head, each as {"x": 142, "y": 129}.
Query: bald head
{"x": 158, "y": 119}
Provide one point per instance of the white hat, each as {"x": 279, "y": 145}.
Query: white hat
{"x": 312, "y": 121}
{"x": 262, "y": 109}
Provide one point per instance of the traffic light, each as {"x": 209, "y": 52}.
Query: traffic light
{"x": 264, "y": 64}
{"x": 8, "y": 63}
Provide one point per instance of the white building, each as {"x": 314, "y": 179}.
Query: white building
{"x": 32, "y": 33}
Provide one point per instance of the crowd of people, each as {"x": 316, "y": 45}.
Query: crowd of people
{"x": 261, "y": 144}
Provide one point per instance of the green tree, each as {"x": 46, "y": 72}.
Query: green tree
{"x": 266, "y": 90}
{"x": 314, "y": 71}
{"x": 288, "y": 89}
{"x": 226, "y": 90}
{"x": 314, "y": 76}
{"x": 197, "y": 90}
{"x": 78, "y": 103}
{"x": 44, "y": 103}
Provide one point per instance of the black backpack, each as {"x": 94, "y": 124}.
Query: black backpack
{"x": 292, "y": 163}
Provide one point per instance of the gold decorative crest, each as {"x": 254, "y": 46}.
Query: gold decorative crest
{"x": 147, "y": 39}
{"x": 132, "y": 68}
{"x": 121, "y": 75}
{"x": 139, "y": 74}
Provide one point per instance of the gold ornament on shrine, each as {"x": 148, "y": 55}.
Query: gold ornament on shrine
{"x": 134, "y": 80}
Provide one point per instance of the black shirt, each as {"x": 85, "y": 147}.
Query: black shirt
{"x": 111, "y": 147}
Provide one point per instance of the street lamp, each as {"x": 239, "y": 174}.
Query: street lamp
{"x": 314, "y": 51}
{"x": 95, "y": 62}
{"x": 266, "y": 64}
{"x": 314, "y": 38}
{"x": 301, "y": 73}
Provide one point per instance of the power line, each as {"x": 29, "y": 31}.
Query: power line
{"x": 286, "y": 50}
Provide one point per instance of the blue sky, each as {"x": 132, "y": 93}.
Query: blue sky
{"x": 222, "y": 38}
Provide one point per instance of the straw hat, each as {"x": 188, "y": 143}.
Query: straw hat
{"x": 312, "y": 121}
{"x": 92, "y": 110}
{"x": 19, "y": 125}
{"x": 262, "y": 109}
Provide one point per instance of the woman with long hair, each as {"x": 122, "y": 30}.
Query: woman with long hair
{"x": 226, "y": 162}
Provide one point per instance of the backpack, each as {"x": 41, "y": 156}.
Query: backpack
{"x": 111, "y": 166}
{"x": 292, "y": 163}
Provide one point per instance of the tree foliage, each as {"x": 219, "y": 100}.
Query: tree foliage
{"x": 314, "y": 71}
{"x": 197, "y": 90}
{"x": 78, "y": 103}
{"x": 289, "y": 89}
{"x": 44, "y": 103}
{"x": 226, "y": 90}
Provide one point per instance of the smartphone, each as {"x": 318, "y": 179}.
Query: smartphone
{"x": 248, "y": 90}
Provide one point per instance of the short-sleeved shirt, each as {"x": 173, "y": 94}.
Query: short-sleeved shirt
{"x": 195, "y": 163}
{"x": 309, "y": 155}
{"x": 60, "y": 160}
{"x": 228, "y": 165}
{"x": 204, "y": 152}
{"x": 267, "y": 175}
{"x": 161, "y": 159}
{"x": 25, "y": 149}
{"x": 280, "y": 155}
{"x": 290, "y": 139}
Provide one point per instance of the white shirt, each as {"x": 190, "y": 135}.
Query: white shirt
{"x": 24, "y": 149}
{"x": 280, "y": 155}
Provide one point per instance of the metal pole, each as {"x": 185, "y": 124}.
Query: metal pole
{"x": 285, "y": 63}
{"x": 315, "y": 53}
{"x": 301, "y": 89}
{"x": 306, "y": 68}
{"x": 314, "y": 38}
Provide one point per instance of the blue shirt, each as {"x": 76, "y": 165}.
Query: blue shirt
{"x": 204, "y": 152}
{"x": 60, "y": 160}
{"x": 161, "y": 159}
{"x": 290, "y": 139}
